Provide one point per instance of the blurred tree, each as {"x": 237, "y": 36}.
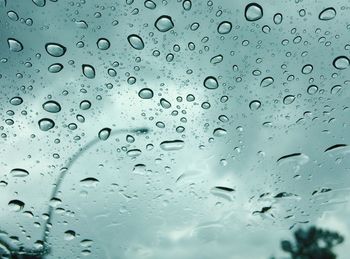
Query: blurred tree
{"x": 312, "y": 243}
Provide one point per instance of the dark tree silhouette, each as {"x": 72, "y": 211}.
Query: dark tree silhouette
{"x": 312, "y": 243}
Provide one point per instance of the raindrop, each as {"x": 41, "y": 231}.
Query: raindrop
{"x": 55, "y": 49}
{"x": 12, "y": 15}
{"x": 172, "y": 145}
{"x": 253, "y": 12}
{"x": 16, "y": 205}
{"x": 210, "y": 82}
{"x": 307, "y": 69}
{"x": 89, "y": 182}
{"x": 88, "y": 71}
{"x": 104, "y": 133}
{"x": 254, "y": 105}
{"x": 136, "y": 42}
{"x": 336, "y": 147}
{"x": 267, "y": 81}
{"x": 150, "y": 4}
{"x": 69, "y": 235}
{"x": 164, "y": 103}
{"x": 224, "y": 27}
{"x": 146, "y": 93}
{"x": 14, "y": 45}
{"x": 19, "y": 172}
{"x": 134, "y": 152}
{"x": 55, "y": 68}
{"x": 341, "y": 62}
{"x": 16, "y": 100}
{"x": 288, "y": 99}
{"x": 277, "y": 18}
{"x": 46, "y": 124}
{"x": 312, "y": 89}
{"x": 40, "y": 3}
{"x": 164, "y": 23}
{"x": 52, "y": 106}
{"x": 216, "y": 59}
{"x": 103, "y": 44}
{"x": 219, "y": 132}
{"x": 85, "y": 105}
{"x": 187, "y": 5}
{"x": 327, "y": 14}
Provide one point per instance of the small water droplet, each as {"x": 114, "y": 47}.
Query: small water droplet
{"x": 253, "y": 12}
{"x": 19, "y": 172}
{"x": 16, "y": 100}
{"x": 224, "y": 27}
{"x": 288, "y": 99}
{"x": 307, "y": 69}
{"x": 312, "y": 89}
{"x": 69, "y": 235}
{"x": 164, "y": 103}
{"x": 52, "y": 106}
{"x": 103, "y": 44}
{"x": 16, "y": 205}
{"x": 210, "y": 82}
{"x": 172, "y": 145}
{"x": 187, "y": 5}
{"x": 14, "y": 45}
{"x": 341, "y": 62}
{"x": 254, "y": 105}
{"x": 85, "y": 105}
{"x": 55, "y": 49}
{"x": 267, "y": 81}
{"x": 136, "y": 41}
{"x": 216, "y": 59}
{"x": 89, "y": 182}
{"x": 46, "y": 124}
{"x": 134, "y": 152}
{"x": 39, "y": 3}
{"x": 55, "y": 68}
{"x": 104, "y": 133}
{"x": 277, "y": 18}
{"x": 219, "y": 132}
{"x": 13, "y": 15}
{"x": 146, "y": 93}
{"x": 88, "y": 71}
{"x": 164, "y": 23}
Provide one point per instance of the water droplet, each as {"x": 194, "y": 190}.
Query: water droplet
{"x": 14, "y": 45}
{"x": 146, "y": 93}
{"x": 85, "y": 105}
{"x": 267, "y": 81}
{"x": 136, "y": 41}
{"x": 52, "y": 106}
{"x": 277, "y": 18}
{"x": 219, "y": 132}
{"x": 327, "y": 14}
{"x": 187, "y": 5}
{"x": 89, "y": 182}
{"x": 86, "y": 242}
{"x": 130, "y": 139}
{"x": 88, "y": 71}
{"x": 150, "y": 4}
{"x": 216, "y": 59}
{"x": 55, "y": 68}
{"x": 224, "y": 27}
{"x": 253, "y": 12}
{"x": 103, "y": 44}
{"x": 164, "y": 103}
{"x": 69, "y": 235}
{"x": 254, "y": 105}
{"x": 16, "y": 205}
{"x": 298, "y": 158}
{"x": 307, "y": 69}
{"x": 341, "y": 62}
{"x": 55, "y": 49}
{"x": 40, "y": 3}
{"x": 16, "y": 100}
{"x": 172, "y": 145}
{"x": 164, "y": 23}
{"x": 288, "y": 99}
{"x": 46, "y": 124}
{"x": 134, "y": 152}
{"x": 81, "y": 24}
{"x": 19, "y": 172}
{"x": 13, "y": 15}
{"x": 223, "y": 192}
{"x": 210, "y": 82}
{"x": 312, "y": 89}
{"x": 336, "y": 89}
{"x": 104, "y": 133}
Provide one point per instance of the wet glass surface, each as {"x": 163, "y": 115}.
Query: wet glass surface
{"x": 172, "y": 129}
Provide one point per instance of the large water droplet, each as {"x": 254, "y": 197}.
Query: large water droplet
{"x": 16, "y": 100}
{"x": 40, "y": 3}
{"x": 146, "y": 93}
{"x": 46, "y": 124}
{"x": 164, "y": 103}
{"x": 88, "y": 71}
{"x": 150, "y": 4}
{"x": 69, "y": 235}
{"x": 253, "y": 12}
{"x": 13, "y": 15}
{"x": 341, "y": 62}
{"x": 277, "y": 18}
{"x": 187, "y": 5}
{"x": 219, "y": 132}
{"x": 307, "y": 69}
{"x": 288, "y": 99}
{"x": 327, "y": 14}
{"x": 104, "y": 133}
{"x": 14, "y": 45}
{"x": 52, "y": 106}
{"x": 136, "y": 41}
{"x": 85, "y": 105}
{"x": 103, "y": 44}
{"x": 16, "y": 205}
{"x": 172, "y": 145}
{"x": 224, "y": 27}
{"x": 254, "y": 105}
{"x": 210, "y": 82}
{"x": 89, "y": 182}
{"x": 19, "y": 172}
{"x": 216, "y": 59}
{"x": 164, "y": 23}
{"x": 55, "y": 49}
{"x": 55, "y": 68}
